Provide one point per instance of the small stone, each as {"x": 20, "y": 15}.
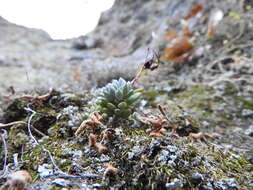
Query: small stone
{"x": 227, "y": 184}
{"x": 130, "y": 155}
{"x": 85, "y": 42}
{"x": 45, "y": 170}
{"x": 61, "y": 182}
{"x": 103, "y": 158}
{"x": 174, "y": 185}
{"x": 249, "y": 131}
{"x": 163, "y": 156}
{"x": 205, "y": 124}
{"x": 247, "y": 112}
{"x": 196, "y": 179}
{"x": 205, "y": 187}
{"x": 43, "y": 139}
{"x": 97, "y": 186}
{"x": 172, "y": 149}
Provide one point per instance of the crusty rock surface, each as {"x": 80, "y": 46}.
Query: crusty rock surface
{"x": 30, "y": 59}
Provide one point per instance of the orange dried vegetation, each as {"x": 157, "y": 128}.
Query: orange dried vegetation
{"x": 170, "y": 35}
{"x": 96, "y": 145}
{"x": 193, "y": 11}
{"x": 179, "y": 50}
{"x": 93, "y": 121}
{"x": 180, "y": 46}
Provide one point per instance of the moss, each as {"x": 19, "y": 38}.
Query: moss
{"x": 43, "y": 120}
{"x": 33, "y": 157}
{"x": 230, "y": 90}
{"x": 15, "y": 111}
{"x": 17, "y": 137}
{"x": 185, "y": 126}
{"x": 76, "y": 100}
{"x": 141, "y": 170}
{"x": 133, "y": 132}
{"x": 150, "y": 96}
{"x": 222, "y": 121}
{"x": 196, "y": 97}
{"x": 247, "y": 104}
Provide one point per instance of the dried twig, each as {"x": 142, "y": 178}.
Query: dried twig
{"x": 162, "y": 110}
{"x": 2, "y": 125}
{"x": 156, "y": 123}
{"x": 35, "y": 140}
{"x": 133, "y": 82}
{"x": 150, "y": 64}
{"x": 37, "y": 99}
{"x": 3, "y": 136}
{"x": 24, "y": 123}
{"x": 202, "y": 136}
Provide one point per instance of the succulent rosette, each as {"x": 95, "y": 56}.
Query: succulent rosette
{"x": 118, "y": 98}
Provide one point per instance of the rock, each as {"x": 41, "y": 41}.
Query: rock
{"x": 61, "y": 182}
{"x": 249, "y": 131}
{"x": 85, "y": 42}
{"x": 45, "y": 170}
{"x": 37, "y": 61}
{"x": 227, "y": 184}
{"x": 174, "y": 185}
{"x": 247, "y": 112}
{"x": 97, "y": 186}
{"x": 196, "y": 179}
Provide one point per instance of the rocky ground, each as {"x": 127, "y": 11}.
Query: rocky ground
{"x": 47, "y": 86}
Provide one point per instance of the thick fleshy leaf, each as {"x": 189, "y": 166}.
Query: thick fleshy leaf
{"x": 102, "y": 102}
{"x": 99, "y": 108}
{"x": 122, "y": 82}
{"x": 125, "y": 90}
{"x": 117, "y": 112}
{"x": 133, "y": 98}
{"x": 126, "y": 113}
{"x": 111, "y": 106}
{"x": 136, "y": 91}
{"x": 119, "y": 95}
{"x": 122, "y": 105}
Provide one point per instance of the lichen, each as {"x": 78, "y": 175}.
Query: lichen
{"x": 144, "y": 162}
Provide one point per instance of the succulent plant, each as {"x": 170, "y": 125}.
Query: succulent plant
{"x": 118, "y": 98}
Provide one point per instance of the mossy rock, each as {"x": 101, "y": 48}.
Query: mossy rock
{"x": 15, "y": 111}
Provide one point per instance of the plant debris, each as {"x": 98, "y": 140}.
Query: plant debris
{"x": 17, "y": 180}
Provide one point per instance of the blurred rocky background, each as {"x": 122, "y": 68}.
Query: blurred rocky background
{"x": 29, "y": 59}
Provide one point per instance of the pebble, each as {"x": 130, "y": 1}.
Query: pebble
{"x": 247, "y": 112}
{"x": 196, "y": 179}
{"x": 249, "y": 131}
{"x": 61, "y": 182}
{"x": 174, "y": 185}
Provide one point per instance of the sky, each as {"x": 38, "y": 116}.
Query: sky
{"x": 62, "y": 19}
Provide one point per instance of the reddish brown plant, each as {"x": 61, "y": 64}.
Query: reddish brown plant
{"x": 37, "y": 99}
{"x": 178, "y": 50}
{"x": 199, "y": 137}
{"x": 195, "y": 10}
{"x": 96, "y": 145}
{"x": 110, "y": 171}
{"x": 17, "y": 180}
{"x": 93, "y": 122}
